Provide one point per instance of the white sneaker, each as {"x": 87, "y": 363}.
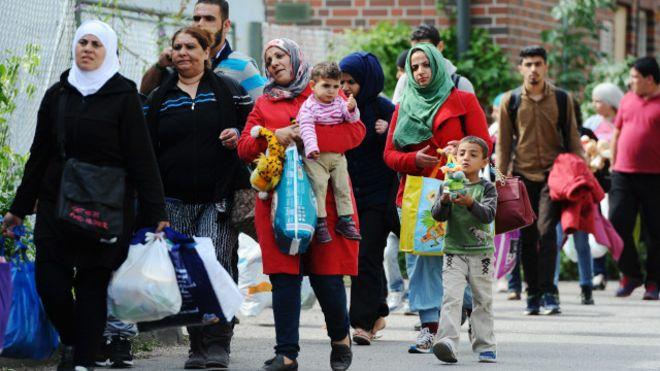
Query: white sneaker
{"x": 424, "y": 342}
{"x": 395, "y": 300}
{"x": 599, "y": 282}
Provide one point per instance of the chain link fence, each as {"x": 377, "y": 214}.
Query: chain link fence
{"x": 48, "y": 24}
{"x": 143, "y": 27}
{"x": 51, "y": 24}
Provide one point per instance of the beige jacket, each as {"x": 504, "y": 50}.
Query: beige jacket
{"x": 539, "y": 139}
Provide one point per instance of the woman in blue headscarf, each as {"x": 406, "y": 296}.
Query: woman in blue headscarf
{"x": 373, "y": 184}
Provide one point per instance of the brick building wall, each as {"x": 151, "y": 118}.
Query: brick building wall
{"x": 339, "y": 15}
{"x": 512, "y": 23}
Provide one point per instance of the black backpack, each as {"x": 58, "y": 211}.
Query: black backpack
{"x": 563, "y": 124}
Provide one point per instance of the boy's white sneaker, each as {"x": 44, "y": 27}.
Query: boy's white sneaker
{"x": 424, "y": 342}
{"x": 445, "y": 351}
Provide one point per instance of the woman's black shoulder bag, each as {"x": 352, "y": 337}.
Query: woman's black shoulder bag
{"x": 91, "y": 197}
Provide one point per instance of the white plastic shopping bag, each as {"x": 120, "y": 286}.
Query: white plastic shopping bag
{"x": 225, "y": 289}
{"x": 145, "y": 288}
{"x": 252, "y": 282}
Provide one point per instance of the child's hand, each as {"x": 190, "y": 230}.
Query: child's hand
{"x": 381, "y": 126}
{"x": 314, "y": 155}
{"x": 463, "y": 200}
{"x": 351, "y": 103}
{"x": 445, "y": 198}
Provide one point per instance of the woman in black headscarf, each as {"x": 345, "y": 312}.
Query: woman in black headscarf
{"x": 372, "y": 182}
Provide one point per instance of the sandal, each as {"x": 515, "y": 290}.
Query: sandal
{"x": 378, "y": 326}
{"x": 362, "y": 337}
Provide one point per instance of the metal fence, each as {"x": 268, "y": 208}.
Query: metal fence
{"x": 51, "y": 24}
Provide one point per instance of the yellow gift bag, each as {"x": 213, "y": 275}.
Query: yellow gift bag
{"x": 420, "y": 233}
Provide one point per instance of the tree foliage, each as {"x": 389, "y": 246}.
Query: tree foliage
{"x": 484, "y": 64}
{"x": 386, "y": 41}
{"x": 571, "y": 55}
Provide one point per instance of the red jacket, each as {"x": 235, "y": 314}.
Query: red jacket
{"x": 446, "y": 127}
{"x": 572, "y": 183}
{"x": 338, "y": 257}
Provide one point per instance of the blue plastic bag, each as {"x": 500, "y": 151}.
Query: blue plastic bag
{"x": 200, "y": 305}
{"x": 29, "y": 333}
{"x": 294, "y": 207}
{"x": 5, "y": 293}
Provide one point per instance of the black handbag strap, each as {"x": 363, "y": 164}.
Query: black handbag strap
{"x": 61, "y": 123}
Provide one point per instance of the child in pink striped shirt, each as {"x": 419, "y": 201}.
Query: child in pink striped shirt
{"x": 326, "y": 107}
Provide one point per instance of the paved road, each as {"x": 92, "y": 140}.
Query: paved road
{"x": 615, "y": 334}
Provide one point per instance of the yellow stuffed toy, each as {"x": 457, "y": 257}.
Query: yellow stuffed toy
{"x": 268, "y": 171}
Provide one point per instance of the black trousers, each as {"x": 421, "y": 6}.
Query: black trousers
{"x": 331, "y": 294}
{"x": 539, "y": 240}
{"x": 369, "y": 287}
{"x": 80, "y": 321}
{"x": 631, "y": 194}
{"x": 72, "y": 274}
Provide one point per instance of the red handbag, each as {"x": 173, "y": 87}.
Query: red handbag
{"x": 514, "y": 211}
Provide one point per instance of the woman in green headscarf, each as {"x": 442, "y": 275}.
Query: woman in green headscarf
{"x": 432, "y": 113}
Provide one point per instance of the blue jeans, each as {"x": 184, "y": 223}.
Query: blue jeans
{"x": 115, "y": 327}
{"x": 331, "y": 294}
{"x": 585, "y": 263}
{"x": 515, "y": 283}
{"x": 392, "y": 270}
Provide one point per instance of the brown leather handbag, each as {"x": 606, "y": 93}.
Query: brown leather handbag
{"x": 514, "y": 211}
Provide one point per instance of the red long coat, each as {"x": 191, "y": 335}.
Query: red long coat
{"x": 575, "y": 186}
{"x": 446, "y": 127}
{"x": 337, "y": 257}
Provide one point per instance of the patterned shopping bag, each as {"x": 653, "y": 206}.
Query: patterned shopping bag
{"x": 420, "y": 233}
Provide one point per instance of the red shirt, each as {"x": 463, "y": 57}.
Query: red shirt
{"x": 638, "y": 146}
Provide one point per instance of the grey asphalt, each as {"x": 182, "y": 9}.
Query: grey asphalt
{"x": 614, "y": 334}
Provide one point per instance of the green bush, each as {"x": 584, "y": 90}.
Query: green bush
{"x": 385, "y": 40}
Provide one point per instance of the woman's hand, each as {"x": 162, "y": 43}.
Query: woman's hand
{"x": 162, "y": 225}
{"x": 8, "y": 223}
{"x": 287, "y": 134}
{"x": 229, "y": 138}
{"x": 422, "y": 160}
{"x": 381, "y": 126}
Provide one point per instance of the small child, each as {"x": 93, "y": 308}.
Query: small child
{"x": 325, "y": 107}
{"x": 468, "y": 256}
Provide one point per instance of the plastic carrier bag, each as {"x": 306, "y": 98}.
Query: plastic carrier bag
{"x": 294, "y": 206}
{"x": 209, "y": 294}
{"x": 144, "y": 288}
{"x": 29, "y": 332}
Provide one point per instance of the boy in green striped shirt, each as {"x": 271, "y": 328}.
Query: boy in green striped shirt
{"x": 468, "y": 256}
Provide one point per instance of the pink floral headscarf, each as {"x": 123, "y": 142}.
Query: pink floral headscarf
{"x": 301, "y": 70}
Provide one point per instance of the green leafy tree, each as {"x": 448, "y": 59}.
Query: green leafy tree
{"x": 571, "y": 55}
{"x": 385, "y": 40}
{"x": 12, "y": 83}
{"x": 484, "y": 64}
